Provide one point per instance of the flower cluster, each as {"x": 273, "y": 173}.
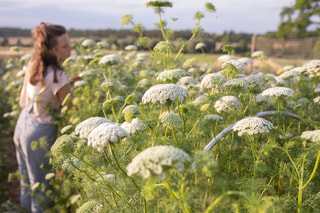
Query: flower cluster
{"x": 225, "y": 58}
{"x": 187, "y": 82}
{"x": 242, "y": 83}
{"x": 171, "y": 119}
{"x": 200, "y": 45}
{"x": 313, "y": 136}
{"x": 105, "y": 133}
{"x": 164, "y": 92}
{"x": 152, "y": 159}
{"x": 84, "y": 128}
{"x": 312, "y": 66}
{"x": 133, "y": 108}
{"x": 88, "y": 43}
{"x": 252, "y": 126}
{"x": 174, "y": 74}
{"x": 212, "y": 80}
{"x": 91, "y": 206}
{"x": 259, "y": 55}
{"x": 135, "y": 125}
{"x": 131, "y": 47}
{"x": 277, "y": 91}
{"x": 110, "y": 59}
{"x": 213, "y": 117}
{"x": 227, "y": 104}
{"x": 236, "y": 63}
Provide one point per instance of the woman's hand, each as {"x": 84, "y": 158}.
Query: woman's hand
{"x": 73, "y": 79}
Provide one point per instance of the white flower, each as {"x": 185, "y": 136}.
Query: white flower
{"x": 174, "y": 74}
{"x": 163, "y": 93}
{"x": 317, "y": 100}
{"x": 187, "y": 82}
{"x": 110, "y": 59}
{"x": 290, "y": 75}
{"x": 202, "y": 99}
{"x": 135, "y": 125}
{"x": 133, "y": 108}
{"x": 10, "y": 114}
{"x": 80, "y": 83}
{"x": 200, "y": 45}
{"x": 131, "y": 47}
{"x": 142, "y": 56}
{"x": 259, "y": 55}
{"x": 313, "y": 136}
{"x": 237, "y": 64}
{"x": 246, "y": 60}
{"x": 85, "y": 127}
{"x": 238, "y": 83}
{"x": 277, "y": 91}
{"x": 88, "y": 42}
{"x": 252, "y": 126}
{"x": 257, "y": 80}
{"x": 227, "y": 104}
{"x": 312, "y": 66}
{"x": 15, "y": 48}
{"x": 152, "y": 159}
{"x": 144, "y": 82}
{"x": 317, "y": 89}
{"x": 91, "y": 206}
{"x": 213, "y": 117}
{"x": 105, "y": 133}
{"x": 212, "y": 80}
{"x": 171, "y": 119}
{"x": 225, "y": 58}
{"x": 102, "y": 44}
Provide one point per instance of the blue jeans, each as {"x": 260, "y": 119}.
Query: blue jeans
{"x": 33, "y": 164}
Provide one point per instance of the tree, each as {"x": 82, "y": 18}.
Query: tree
{"x": 296, "y": 20}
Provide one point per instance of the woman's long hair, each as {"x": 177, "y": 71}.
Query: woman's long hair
{"x": 43, "y": 55}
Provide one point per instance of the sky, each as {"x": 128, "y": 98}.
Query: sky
{"x": 246, "y": 16}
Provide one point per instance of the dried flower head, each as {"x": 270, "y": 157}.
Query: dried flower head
{"x": 277, "y": 91}
{"x": 171, "y": 119}
{"x": 313, "y": 136}
{"x": 227, "y": 104}
{"x": 85, "y": 127}
{"x": 104, "y": 134}
{"x": 152, "y": 159}
{"x": 252, "y": 126}
{"x": 164, "y": 92}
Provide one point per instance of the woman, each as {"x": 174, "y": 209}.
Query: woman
{"x": 45, "y": 87}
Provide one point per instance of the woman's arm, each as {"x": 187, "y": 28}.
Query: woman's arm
{"x": 62, "y": 94}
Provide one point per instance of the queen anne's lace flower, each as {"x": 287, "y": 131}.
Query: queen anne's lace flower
{"x": 105, "y": 133}
{"x": 212, "y": 80}
{"x": 252, "y": 126}
{"x": 227, "y": 104}
{"x": 316, "y": 100}
{"x": 80, "y": 83}
{"x": 85, "y": 127}
{"x": 225, "y": 58}
{"x": 131, "y": 47}
{"x": 171, "y": 119}
{"x": 259, "y": 55}
{"x": 91, "y": 206}
{"x": 174, "y": 74}
{"x": 133, "y": 108}
{"x": 200, "y": 45}
{"x": 277, "y": 91}
{"x": 236, "y": 63}
{"x": 135, "y": 125}
{"x": 213, "y": 117}
{"x": 312, "y": 66}
{"x": 142, "y": 56}
{"x": 313, "y": 136}
{"x": 144, "y": 82}
{"x": 163, "y": 93}
{"x": 102, "y": 44}
{"x": 163, "y": 46}
{"x": 246, "y": 60}
{"x": 290, "y": 75}
{"x": 187, "y": 82}
{"x": 88, "y": 42}
{"x": 110, "y": 59}
{"x": 202, "y": 99}
{"x": 152, "y": 159}
{"x": 240, "y": 83}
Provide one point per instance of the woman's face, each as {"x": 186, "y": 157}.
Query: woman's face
{"x": 63, "y": 48}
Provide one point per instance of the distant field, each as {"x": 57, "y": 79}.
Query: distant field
{"x": 275, "y": 63}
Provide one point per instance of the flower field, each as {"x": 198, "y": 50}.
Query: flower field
{"x": 156, "y": 132}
